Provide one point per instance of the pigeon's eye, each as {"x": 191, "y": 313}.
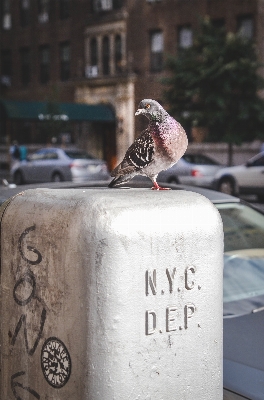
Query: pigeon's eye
{"x": 147, "y": 106}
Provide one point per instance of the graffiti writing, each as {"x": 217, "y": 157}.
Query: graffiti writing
{"x": 15, "y": 384}
{"x": 30, "y": 248}
{"x": 21, "y": 321}
{"x": 23, "y": 293}
{"x": 55, "y": 358}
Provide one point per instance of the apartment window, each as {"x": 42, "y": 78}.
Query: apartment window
{"x": 156, "y": 51}
{"x": 6, "y": 15}
{"x": 106, "y": 56}
{"x": 245, "y": 26}
{"x": 64, "y": 9}
{"x": 24, "y": 12}
{"x": 218, "y": 23}
{"x": 44, "y": 55}
{"x": 91, "y": 71}
{"x": 102, "y": 5}
{"x": 117, "y": 4}
{"x": 65, "y": 57}
{"x": 94, "y": 51}
{"x": 118, "y": 53}
{"x": 185, "y": 37}
{"x": 43, "y": 11}
{"x": 6, "y": 67}
{"x": 25, "y": 65}
{"x": 106, "y": 5}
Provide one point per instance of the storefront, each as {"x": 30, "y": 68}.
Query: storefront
{"x": 91, "y": 127}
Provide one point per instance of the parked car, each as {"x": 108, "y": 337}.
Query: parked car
{"x": 242, "y": 179}
{"x": 55, "y": 165}
{"x": 243, "y": 310}
{"x": 192, "y": 169}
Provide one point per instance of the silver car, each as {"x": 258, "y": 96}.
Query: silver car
{"x": 192, "y": 169}
{"x": 247, "y": 178}
{"x": 55, "y": 165}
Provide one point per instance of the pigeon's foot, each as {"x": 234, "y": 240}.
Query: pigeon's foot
{"x": 157, "y": 187}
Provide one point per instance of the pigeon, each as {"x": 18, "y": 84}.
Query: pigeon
{"x": 157, "y": 148}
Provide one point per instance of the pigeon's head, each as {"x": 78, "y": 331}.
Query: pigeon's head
{"x": 152, "y": 110}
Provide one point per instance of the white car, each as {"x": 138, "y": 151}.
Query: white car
{"x": 242, "y": 179}
{"x": 192, "y": 169}
{"x": 55, "y": 165}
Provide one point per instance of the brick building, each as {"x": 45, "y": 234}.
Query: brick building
{"x": 106, "y": 51}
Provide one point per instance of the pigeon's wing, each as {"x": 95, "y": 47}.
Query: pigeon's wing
{"x": 138, "y": 155}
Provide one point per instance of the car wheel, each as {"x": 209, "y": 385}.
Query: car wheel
{"x": 56, "y": 177}
{"x": 227, "y": 186}
{"x": 173, "y": 180}
{"x": 18, "y": 178}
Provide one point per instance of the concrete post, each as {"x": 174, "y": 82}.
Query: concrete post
{"x": 111, "y": 294}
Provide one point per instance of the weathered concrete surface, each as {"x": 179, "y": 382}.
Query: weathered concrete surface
{"x": 111, "y": 294}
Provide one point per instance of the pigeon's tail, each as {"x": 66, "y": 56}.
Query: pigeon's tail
{"x": 118, "y": 180}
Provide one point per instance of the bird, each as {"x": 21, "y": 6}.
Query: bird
{"x": 157, "y": 148}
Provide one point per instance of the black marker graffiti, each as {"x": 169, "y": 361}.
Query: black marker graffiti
{"x": 27, "y": 278}
{"x": 24, "y": 292}
{"x": 55, "y": 362}
{"x": 30, "y": 248}
{"x": 55, "y": 358}
{"x": 21, "y": 321}
{"x": 15, "y": 384}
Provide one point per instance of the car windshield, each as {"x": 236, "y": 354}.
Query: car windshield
{"x": 78, "y": 155}
{"x": 199, "y": 159}
{"x": 243, "y": 259}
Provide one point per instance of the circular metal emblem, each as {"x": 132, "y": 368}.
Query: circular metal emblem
{"x": 55, "y": 362}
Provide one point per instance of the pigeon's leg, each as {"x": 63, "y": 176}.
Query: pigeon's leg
{"x": 157, "y": 187}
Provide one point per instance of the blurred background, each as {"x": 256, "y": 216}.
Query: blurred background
{"x": 72, "y": 73}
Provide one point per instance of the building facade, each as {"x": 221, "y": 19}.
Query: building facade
{"x": 106, "y": 51}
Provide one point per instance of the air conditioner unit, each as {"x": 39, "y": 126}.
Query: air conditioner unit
{"x": 5, "y": 80}
{"x": 43, "y": 18}
{"x": 91, "y": 71}
{"x": 103, "y": 5}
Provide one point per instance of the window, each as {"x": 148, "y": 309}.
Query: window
{"x": 185, "y": 37}
{"x": 245, "y": 27}
{"x": 64, "y": 9}
{"x": 6, "y": 67}
{"x": 118, "y": 53}
{"x": 218, "y": 23}
{"x": 44, "y": 54}
{"x": 156, "y": 51}
{"x": 94, "y": 51}
{"x": 106, "y": 5}
{"x": 6, "y": 15}
{"x": 43, "y": 11}
{"x": 103, "y": 5}
{"x": 106, "y": 56}
{"x": 65, "y": 61}
{"x": 259, "y": 162}
{"x": 91, "y": 70}
{"x": 25, "y": 65}
{"x": 24, "y": 12}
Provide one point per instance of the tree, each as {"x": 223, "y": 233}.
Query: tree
{"x": 215, "y": 84}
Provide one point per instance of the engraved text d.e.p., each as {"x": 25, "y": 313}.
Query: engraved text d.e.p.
{"x": 176, "y": 318}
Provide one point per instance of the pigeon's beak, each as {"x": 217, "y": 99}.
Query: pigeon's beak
{"x": 139, "y": 111}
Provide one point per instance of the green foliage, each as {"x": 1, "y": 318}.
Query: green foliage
{"x": 215, "y": 84}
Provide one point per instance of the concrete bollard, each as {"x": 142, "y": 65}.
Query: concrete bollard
{"x": 111, "y": 294}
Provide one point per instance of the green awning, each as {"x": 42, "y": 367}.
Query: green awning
{"x": 29, "y": 110}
